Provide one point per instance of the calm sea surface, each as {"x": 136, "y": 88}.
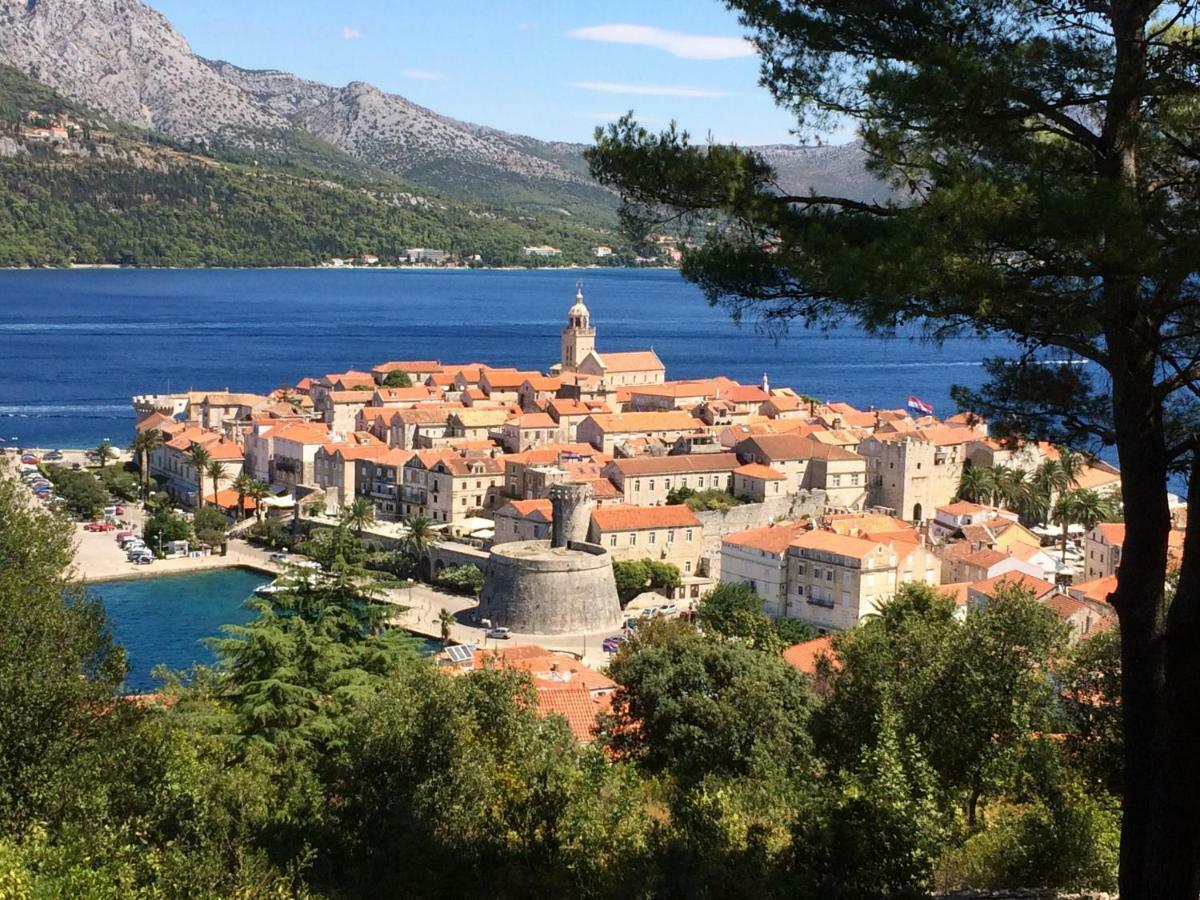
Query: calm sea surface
{"x": 166, "y": 619}
{"x": 75, "y": 345}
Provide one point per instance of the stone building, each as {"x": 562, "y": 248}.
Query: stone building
{"x": 611, "y": 369}
{"x": 915, "y": 472}
{"x": 564, "y": 585}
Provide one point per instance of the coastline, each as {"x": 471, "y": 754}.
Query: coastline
{"x": 117, "y": 267}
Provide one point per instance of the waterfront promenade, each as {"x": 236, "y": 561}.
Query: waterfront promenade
{"x": 98, "y": 558}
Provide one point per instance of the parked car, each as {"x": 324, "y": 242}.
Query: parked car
{"x": 279, "y": 557}
{"x": 631, "y": 623}
{"x": 120, "y": 510}
{"x": 122, "y": 535}
{"x": 668, "y": 609}
{"x": 613, "y": 644}
{"x": 649, "y": 613}
{"x": 53, "y": 456}
{"x": 498, "y": 634}
{"x": 144, "y": 558}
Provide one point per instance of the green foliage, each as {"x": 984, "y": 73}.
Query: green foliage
{"x": 693, "y": 707}
{"x": 210, "y": 525}
{"x": 59, "y": 667}
{"x": 793, "y": 631}
{"x": 165, "y": 526}
{"x": 633, "y": 577}
{"x": 733, "y": 611}
{"x": 698, "y": 501}
{"x": 120, "y": 482}
{"x": 84, "y": 496}
{"x": 465, "y": 579}
{"x": 1091, "y": 693}
{"x": 397, "y": 379}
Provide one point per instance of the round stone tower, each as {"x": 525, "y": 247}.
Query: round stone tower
{"x": 572, "y": 513}
{"x": 561, "y": 586}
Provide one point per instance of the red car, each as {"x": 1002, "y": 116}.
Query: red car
{"x": 120, "y": 510}
{"x": 99, "y": 526}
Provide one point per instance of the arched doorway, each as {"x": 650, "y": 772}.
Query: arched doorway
{"x": 916, "y": 516}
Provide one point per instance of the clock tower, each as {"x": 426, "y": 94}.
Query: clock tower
{"x": 579, "y": 337}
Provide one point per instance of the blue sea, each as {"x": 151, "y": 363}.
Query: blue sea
{"x": 76, "y": 345}
{"x": 166, "y": 619}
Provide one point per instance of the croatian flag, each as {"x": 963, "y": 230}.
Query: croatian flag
{"x": 917, "y": 405}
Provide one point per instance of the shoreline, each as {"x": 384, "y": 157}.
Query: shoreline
{"x": 147, "y": 572}
{"x": 116, "y": 267}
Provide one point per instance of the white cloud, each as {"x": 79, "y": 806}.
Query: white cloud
{"x": 422, "y": 74}
{"x": 350, "y": 33}
{"x": 646, "y": 90}
{"x": 677, "y": 43}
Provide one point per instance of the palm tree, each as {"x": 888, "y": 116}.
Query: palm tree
{"x": 258, "y": 491}
{"x": 447, "y": 619}
{"x": 976, "y": 484}
{"x": 200, "y": 458}
{"x": 144, "y": 443}
{"x": 420, "y": 535}
{"x": 241, "y": 484}
{"x": 1081, "y": 507}
{"x": 105, "y": 452}
{"x": 216, "y": 474}
{"x": 359, "y": 514}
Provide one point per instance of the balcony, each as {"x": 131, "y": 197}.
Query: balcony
{"x": 413, "y": 494}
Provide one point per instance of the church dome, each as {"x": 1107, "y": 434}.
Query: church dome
{"x": 579, "y": 310}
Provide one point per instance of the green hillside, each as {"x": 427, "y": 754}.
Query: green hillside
{"x": 115, "y": 195}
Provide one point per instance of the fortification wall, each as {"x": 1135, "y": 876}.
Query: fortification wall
{"x": 717, "y": 523}
{"x": 550, "y": 592}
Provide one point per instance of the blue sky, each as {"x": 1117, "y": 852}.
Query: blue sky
{"x": 553, "y": 70}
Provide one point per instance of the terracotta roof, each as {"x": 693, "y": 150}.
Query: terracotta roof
{"x": 473, "y": 466}
{"x": 962, "y": 508}
{"x": 524, "y": 508}
{"x": 769, "y": 538}
{"x": 301, "y": 433}
{"x": 603, "y": 489}
{"x": 1095, "y": 476}
{"x": 533, "y": 420}
{"x": 759, "y": 471}
{"x": 480, "y": 418}
{"x": 1096, "y": 590}
{"x": 785, "y": 402}
{"x": 634, "y": 518}
{"x": 225, "y": 398}
{"x": 945, "y": 436}
{"x": 708, "y": 387}
{"x": 985, "y": 557}
{"x": 1036, "y": 586}
{"x": 228, "y": 499}
{"x": 856, "y": 523}
{"x": 838, "y": 544}
{"x": 630, "y": 361}
{"x": 956, "y": 590}
{"x": 408, "y": 366}
{"x": 224, "y": 450}
{"x": 417, "y": 392}
{"x": 543, "y": 382}
{"x": 745, "y": 393}
{"x": 153, "y": 421}
{"x": 1112, "y": 532}
{"x": 805, "y": 655}
{"x": 673, "y": 465}
{"x": 348, "y": 378}
{"x": 561, "y": 406}
{"x": 549, "y": 453}
{"x": 507, "y": 378}
{"x": 793, "y": 446}
{"x": 350, "y": 396}
{"x": 426, "y": 415}
{"x": 355, "y": 451}
{"x": 672, "y": 420}
{"x": 575, "y": 704}
{"x": 1066, "y": 606}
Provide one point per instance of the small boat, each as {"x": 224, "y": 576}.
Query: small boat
{"x": 267, "y": 589}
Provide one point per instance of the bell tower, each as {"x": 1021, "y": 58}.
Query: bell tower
{"x": 579, "y": 337}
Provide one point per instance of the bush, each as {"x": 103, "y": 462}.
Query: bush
{"x": 83, "y": 494}
{"x": 397, "y": 380}
{"x": 269, "y": 533}
{"x": 466, "y": 579}
{"x": 640, "y": 575}
{"x": 120, "y": 482}
{"x": 165, "y": 526}
{"x": 792, "y": 631}
{"x": 698, "y": 501}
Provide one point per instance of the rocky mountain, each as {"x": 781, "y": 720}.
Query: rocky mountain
{"x": 125, "y": 59}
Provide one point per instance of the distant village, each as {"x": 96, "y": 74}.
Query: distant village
{"x": 822, "y": 509}
{"x": 660, "y": 250}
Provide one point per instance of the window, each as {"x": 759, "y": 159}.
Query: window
{"x": 637, "y": 484}
{"x": 845, "y": 578}
{"x": 633, "y": 539}
{"x": 612, "y": 540}
{"x": 835, "y": 480}
{"x": 800, "y": 590}
{"x": 687, "y": 567}
{"x": 671, "y": 536}
{"x": 854, "y": 479}
{"x": 650, "y": 538}
{"x": 829, "y": 574}
{"x": 799, "y": 568}
{"x": 688, "y": 536}
{"x": 651, "y": 484}
{"x": 845, "y": 599}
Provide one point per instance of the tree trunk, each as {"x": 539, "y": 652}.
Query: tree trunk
{"x": 1161, "y": 816}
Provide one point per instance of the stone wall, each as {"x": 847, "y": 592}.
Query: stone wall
{"x": 550, "y": 592}
{"x": 717, "y": 523}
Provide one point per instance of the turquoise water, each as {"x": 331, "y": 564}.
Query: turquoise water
{"x": 165, "y": 619}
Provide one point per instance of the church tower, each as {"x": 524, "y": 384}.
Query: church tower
{"x": 579, "y": 337}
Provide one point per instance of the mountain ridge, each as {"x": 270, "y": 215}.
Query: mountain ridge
{"x": 128, "y": 61}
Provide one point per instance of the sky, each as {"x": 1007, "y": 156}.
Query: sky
{"x": 552, "y": 70}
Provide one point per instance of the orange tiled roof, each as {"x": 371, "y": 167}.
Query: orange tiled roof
{"x": 672, "y": 465}
{"x": 962, "y": 508}
{"x": 533, "y": 420}
{"x": 805, "y": 655}
{"x": 410, "y": 366}
{"x": 153, "y": 421}
{"x": 769, "y": 538}
{"x": 956, "y": 590}
{"x": 350, "y": 396}
{"x": 1095, "y": 476}
{"x": 631, "y": 361}
{"x": 1037, "y": 586}
{"x": 793, "y": 446}
{"x": 544, "y": 382}
{"x": 837, "y": 544}
{"x": 672, "y": 420}
{"x": 228, "y": 499}
{"x": 524, "y": 508}
{"x": 636, "y": 518}
{"x": 746, "y": 393}
{"x": 1112, "y": 532}
{"x": 985, "y": 558}
{"x": 510, "y": 379}
{"x": 1097, "y": 589}
{"x": 759, "y": 471}
{"x": 574, "y": 703}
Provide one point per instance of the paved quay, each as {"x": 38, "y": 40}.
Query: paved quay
{"x": 99, "y": 558}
